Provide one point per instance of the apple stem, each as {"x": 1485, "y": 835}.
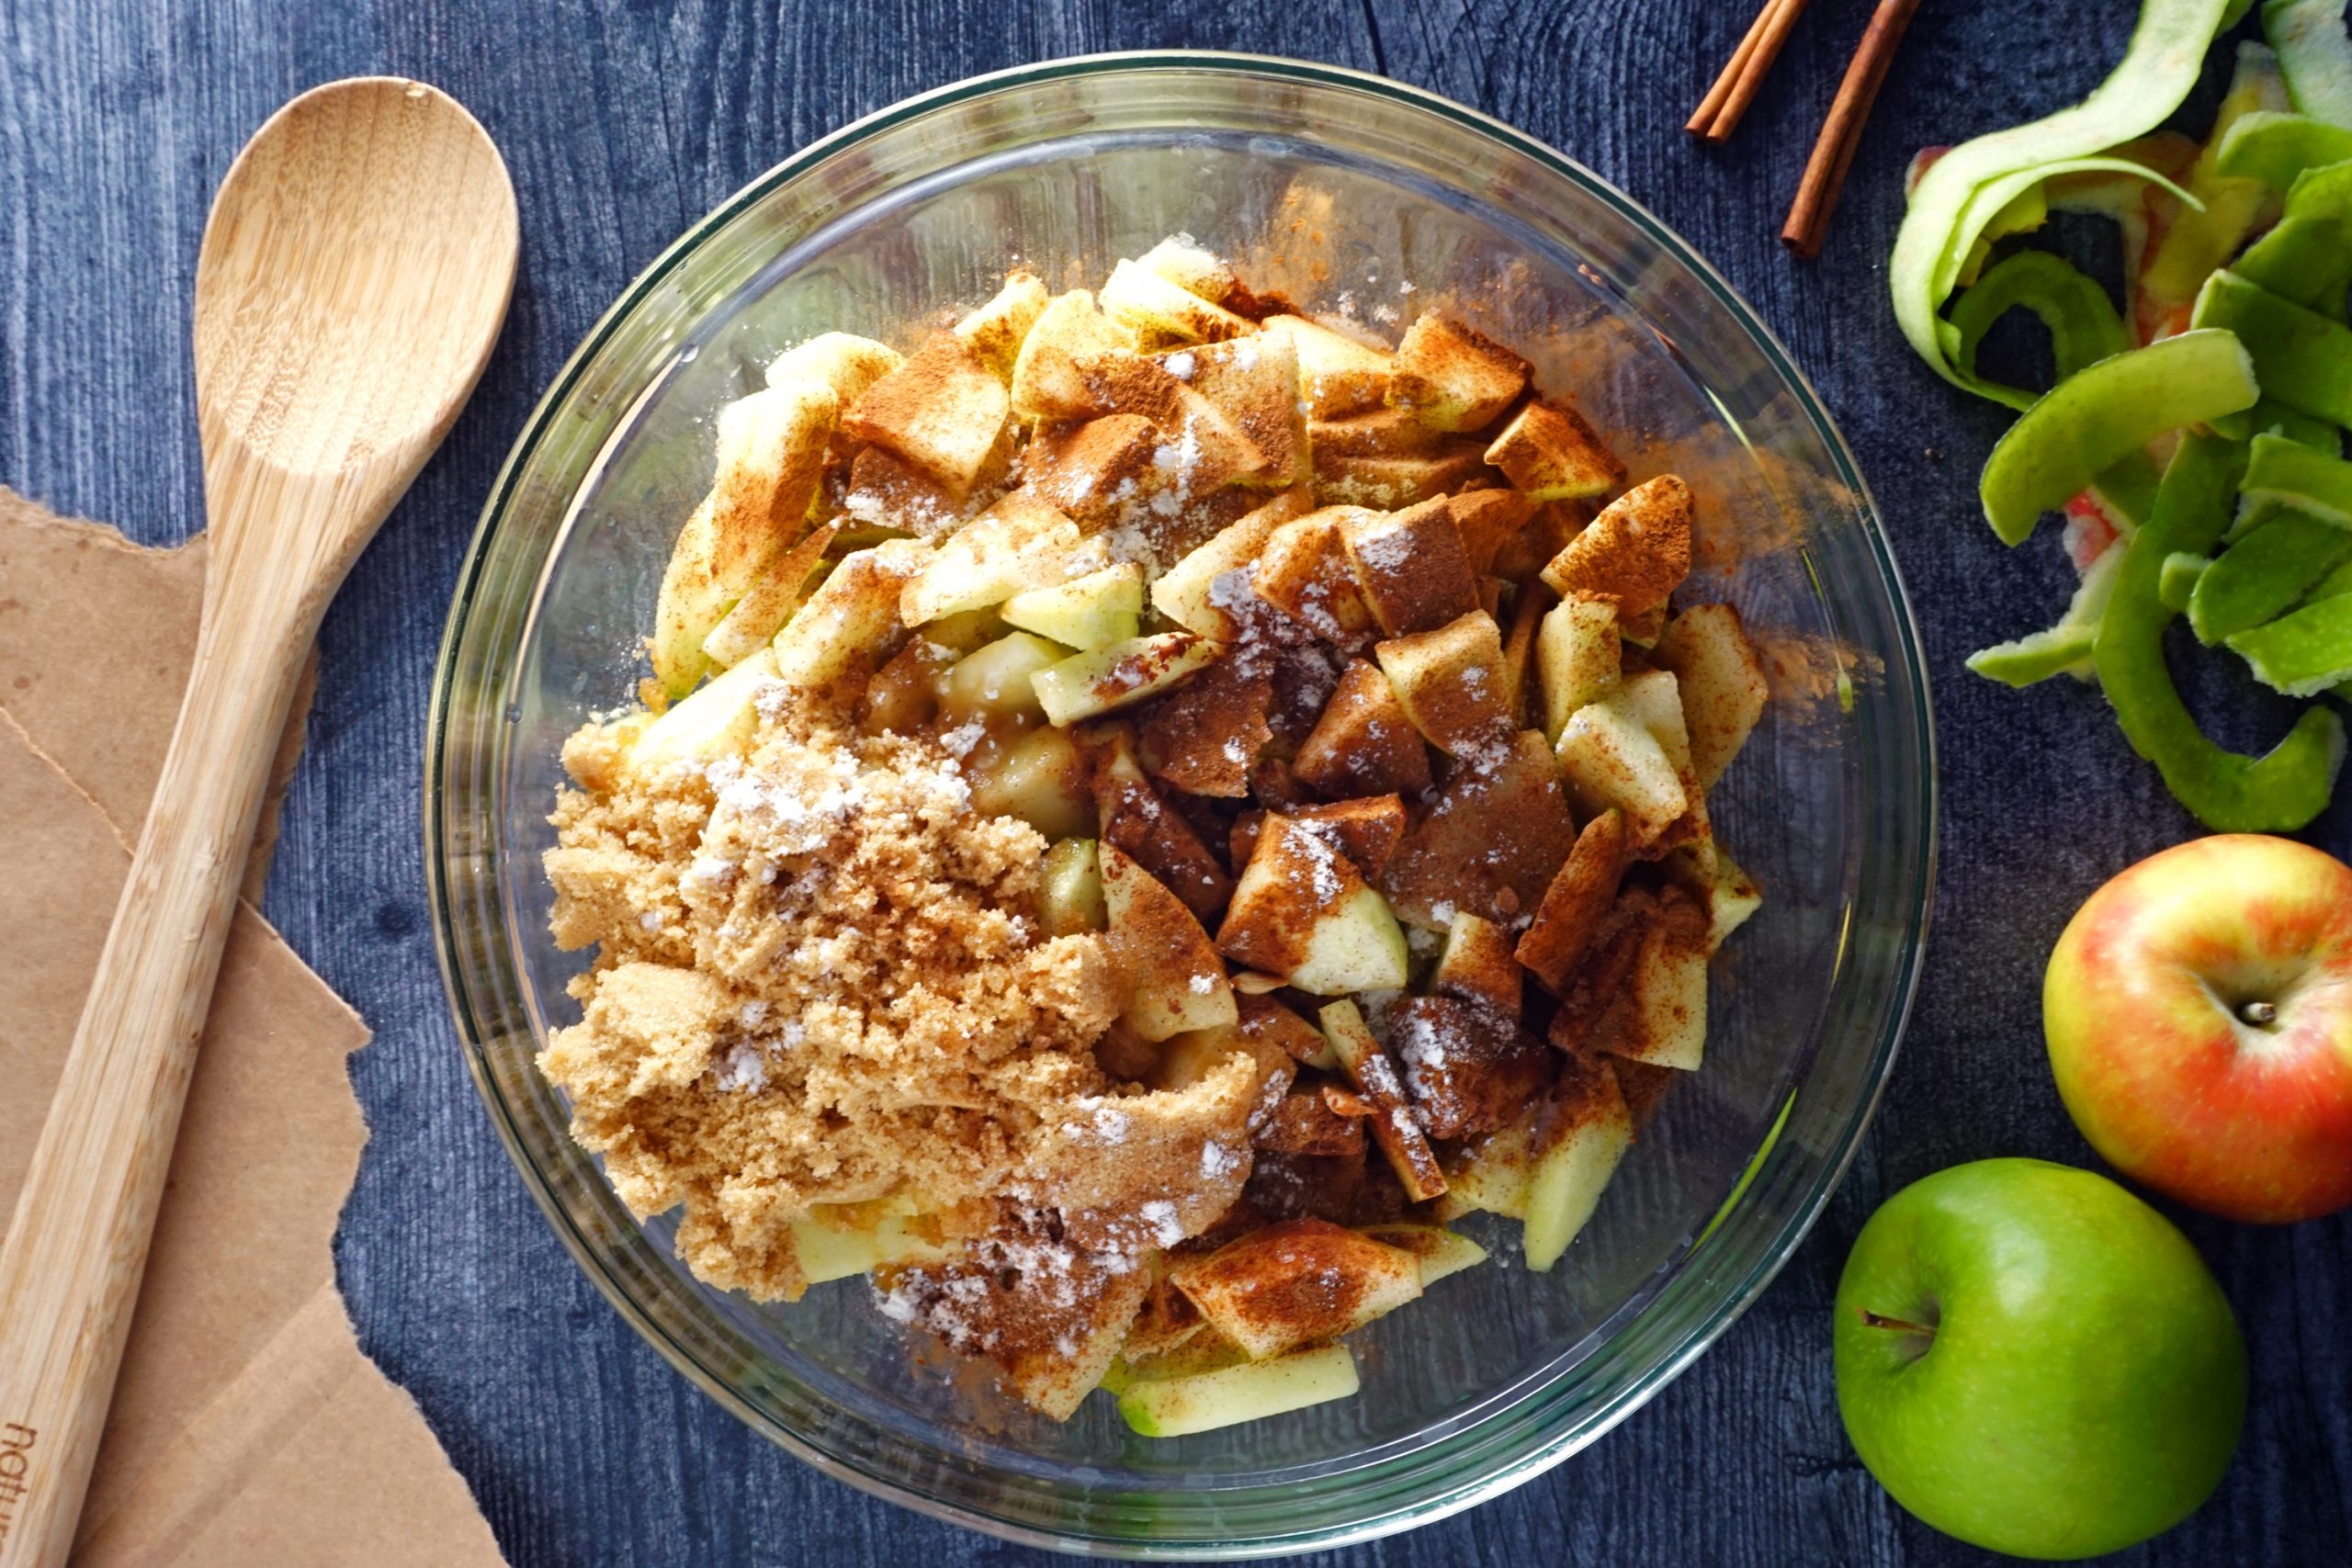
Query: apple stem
{"x": 2261, "y": 1015}
{"x": 1901, "y": 1325}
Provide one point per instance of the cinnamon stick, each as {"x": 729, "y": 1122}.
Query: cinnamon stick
{"x": 1833, "y": 151}
{"x": 1780, "y": 17}
{"x": 1711, "y": 105}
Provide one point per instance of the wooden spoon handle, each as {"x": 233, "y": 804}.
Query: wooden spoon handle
{"x": 71, "y": 1264}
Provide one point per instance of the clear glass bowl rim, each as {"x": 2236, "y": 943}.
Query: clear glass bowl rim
{"x": 1526, "y": 1454}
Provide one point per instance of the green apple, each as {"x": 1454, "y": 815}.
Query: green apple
{"x": 2199, "y": 1010}
{"x": 2034, "y": 1360}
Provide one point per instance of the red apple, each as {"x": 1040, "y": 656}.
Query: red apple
{"x": 2199, "y": 1010}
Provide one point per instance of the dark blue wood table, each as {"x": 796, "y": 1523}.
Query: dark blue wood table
{"x": 623, "y": 121}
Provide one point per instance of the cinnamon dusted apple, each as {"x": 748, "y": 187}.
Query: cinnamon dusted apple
{"x": 1123, "y": 759}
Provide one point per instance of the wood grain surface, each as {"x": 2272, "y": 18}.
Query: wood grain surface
{"x": 622, "y": 120}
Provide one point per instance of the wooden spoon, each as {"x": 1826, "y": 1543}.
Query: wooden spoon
{"x": 353, "y": 276}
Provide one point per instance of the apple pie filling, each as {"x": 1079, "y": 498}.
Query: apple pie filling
{"x": 1150, "y": 807}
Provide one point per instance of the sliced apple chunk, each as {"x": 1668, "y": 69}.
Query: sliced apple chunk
{"x": 1090, "y": 469}
{"x": 1451, "y": 378}
{"x": 1041, "y": 778}
{"x": 1467, "y": 1068}
{"x": 993, "y": 681}
{"x": 1477, "y": 965}
{"x": 1179, "y": 983}
{"x": 1549, "y": 453}
{"x": 1451, "y": 682}
{"x": 1394, "y": 1127}
{"x": 1663, "y": 1017}
{"x": 1364, "y": 742}
{"x": 1576, "y": 657}
{"x": 1296, "y": 1283}
{"x": 1087, "y": 611}
{"x": 1635, "y": 554}
{"x": 1162, "y": 313}
{"x": 1411, "y": 567}
{"x": 1337, "y": 375}
{"x": 1227, "y": 1396}
{"x": 1556, "y": 941}
{"x": 1611, "y": 759}
{"x": 1073, "y": 895}
{"x": 714, "y": 720}
{"x": 1577, "y": 1143}
{"x": 1394, "y": 482}
{"x": 1205, "y": 735}
{"x": 770, "y": 456}
{"x": 1367, "y": 830}
{"x": 842, "y": 361}
{"x": 1377, "y": 433}
{"x": 1017, "y": 544}
{"x": 1487, "y": 520}
{"x": 1253, "y": 381}
{"x": 1120, "y": 674}
{"x": 1190, "y": 266}
{"x": 1489, "y": 1174}
{"x": 757, "y": 617}
{"x": 850, "y": 623}
{"x": 1490, "y": 842}
{"x": 1732, "y": 897}
{"x": 1303, "y": 911}
{"x": 1202, "y": 589}
{"x": 1302, "y": 571}
{"x": 944, "y": 411}
{"x": 1723, "y": 687}
{"x": 1137, "y": 820}
{"x": 841, "y": 1241}
{"x": 1048, "y": 374}
{"x": 994, "y": 332}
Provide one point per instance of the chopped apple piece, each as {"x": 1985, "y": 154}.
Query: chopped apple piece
{"x": 842, "y": 361}
{"x": 1048, "y": 375}
{"x": 1190, "y": 267}
{"x": 1304, "y": 572}
{"x": 1178, "y": 981}
{"x": 903, "y": 695}
{"x": 1490, "y": 843}
{"x": 1120, "y": 674}
{"x": 1204, "y": 737}
{"x": 1253, "y": 381}
{"x": 753, "y": 623}
{"x": 1041, "y": 779}
{"x": 884, "y": 493}
{"x": 1201, "y": 592}
{"x": 1073, "y": 899}
{"x": 1635, "y": 554}
{"x": 1732, "y": 897}
{"x": 1663, "y": 1021}
{"x": 1204, "y": 451}
{"x": 771, "y": 456}
{"x": 1477, "y": 965}
{"x": 995, "y": 331}
{"x": 1377, "y": 433}
{"x": 850, "y": 623}
{"x": 1176, "y": 1407}
{"x": 1017, "y": 544}
{"x": 1609, "y": 759}
{"x": 1468, "y": 1069}
{"x": 1296, "y": 1283}
{"x": 1487, "y": 520}
{"x": 1549, "y": 453}
{"x": 1337, "y": 375}
{"x": 1451, "y": 378}
{"x": 1400, "y": 1137}
{"x": 1301, "y": 910}
{"x": 841, "y": 1241}
{"x": 1162, "y": 313}
{"x": 1529, "y": 602}
{"x": 1576, "y": 657}
{"x": 1654, "y": 698}
{"x": 1365, "y": 830}
{"x": 1577, "y": 1143}
{"x": 1091, "y": 469}
{"x": 944, "y": 411}
{"x": 1139, "y": 822}
{"x": 1546, "y": 532}
{"x": 1396, "y": 481}
{"x": 993, "y": 681}
{"x": 1724, "y": 689}
{"x": 715, "y": 720}
{"x": 1086, "y": 612}
{"x": 1364, "y": 743}
{"x": 1411, "y": 567}
{"x": 1556, "y": 941}
{"x": 1437, "y": 1250}
{"x": 1268, "y": 1022}
{"x": 1452, "y": 684}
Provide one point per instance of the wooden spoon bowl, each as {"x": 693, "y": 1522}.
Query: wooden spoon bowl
{"x": 353, "y": 276}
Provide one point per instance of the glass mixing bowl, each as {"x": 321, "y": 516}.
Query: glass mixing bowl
{"x": 1351, "y": 195}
